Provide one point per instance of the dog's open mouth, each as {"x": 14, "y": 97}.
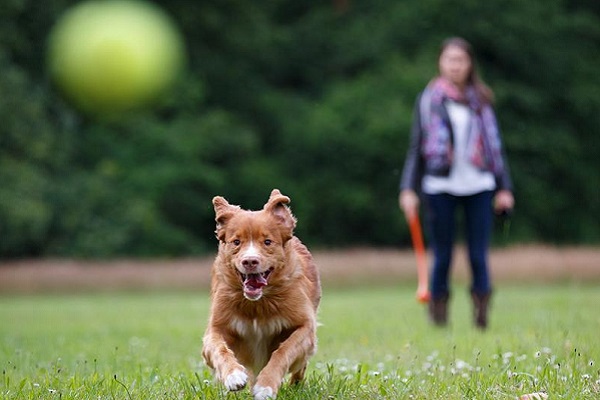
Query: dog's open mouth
{"x": 253, "y": 283}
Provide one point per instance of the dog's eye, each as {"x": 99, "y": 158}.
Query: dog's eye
{"x": 236, "y": 242}
{"x": 268, "y": 242}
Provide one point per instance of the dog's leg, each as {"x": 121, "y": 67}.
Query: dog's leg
{"x": 298, "y": 372}
{"x": 294, "y": 350}
{"x": 221, "y": 359}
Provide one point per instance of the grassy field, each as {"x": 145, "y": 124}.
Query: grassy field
{"x": 375, "y": 343}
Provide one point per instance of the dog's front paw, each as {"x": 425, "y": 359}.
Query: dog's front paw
{"x": 236, "y": 380}
{"x": 263, "y": 392}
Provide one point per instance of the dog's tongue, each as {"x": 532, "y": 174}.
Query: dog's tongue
{"x": 255, "y": 281}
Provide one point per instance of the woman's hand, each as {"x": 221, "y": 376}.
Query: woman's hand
{"x": 409, "y": 203}
{"x": 503, "y": 201}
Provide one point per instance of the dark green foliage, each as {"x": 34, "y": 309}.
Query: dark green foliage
{"x": 311, "y": 98}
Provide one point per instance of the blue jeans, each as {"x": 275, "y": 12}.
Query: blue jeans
{"x": 440, "y": 214}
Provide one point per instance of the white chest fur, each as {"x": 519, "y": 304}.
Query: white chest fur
{"x": 258, "y": 336}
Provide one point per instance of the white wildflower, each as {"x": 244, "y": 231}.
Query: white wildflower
{"x": 460, "y": 364}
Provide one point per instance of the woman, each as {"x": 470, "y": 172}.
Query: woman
{"x": 455, "y": 159}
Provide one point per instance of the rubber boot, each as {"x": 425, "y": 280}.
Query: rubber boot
{"x": 438, "y": 310}
{"x": 480, "y": 309}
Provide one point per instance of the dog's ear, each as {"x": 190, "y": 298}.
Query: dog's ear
{"x": 223, "y": 213}
{"x": 277, "y": 206}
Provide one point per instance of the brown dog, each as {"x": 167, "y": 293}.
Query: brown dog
{"x": 265, "y": 292}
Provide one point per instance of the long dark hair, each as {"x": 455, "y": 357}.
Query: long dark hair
{"x": 484, "y": 92}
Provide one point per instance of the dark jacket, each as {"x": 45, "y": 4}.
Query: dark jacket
{"x": 415, "y": 166}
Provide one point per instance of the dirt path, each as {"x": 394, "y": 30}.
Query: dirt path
{"x": 343, "y": 267}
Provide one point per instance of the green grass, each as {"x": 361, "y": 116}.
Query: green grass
{"x": 375, "y": 343}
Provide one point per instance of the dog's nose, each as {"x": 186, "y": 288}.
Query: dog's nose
{"x": 251, "y": 263}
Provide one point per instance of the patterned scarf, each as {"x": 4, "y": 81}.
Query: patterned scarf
{"x": 484, "y": 148}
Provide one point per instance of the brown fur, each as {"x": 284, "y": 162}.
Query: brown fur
{"x": 258, "y": 331}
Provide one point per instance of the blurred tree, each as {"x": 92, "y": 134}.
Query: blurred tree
{"x": 313, "y": 98}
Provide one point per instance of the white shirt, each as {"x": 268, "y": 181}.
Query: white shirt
{"x": 465, "y": 179}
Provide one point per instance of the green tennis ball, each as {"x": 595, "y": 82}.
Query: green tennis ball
{"x": 112, "y": 56}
